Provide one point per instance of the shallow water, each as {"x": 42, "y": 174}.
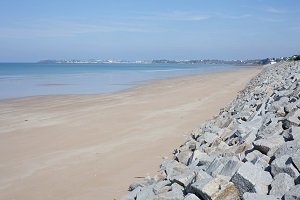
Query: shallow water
{"x": 30, "y": 79}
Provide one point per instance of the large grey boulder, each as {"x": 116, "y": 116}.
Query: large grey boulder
{"x": 284, "y": 165}
{"x": 273, "y": 129}
{"x": 255, "y": 123}
{"x": 174, "y": 194}
{"x": 252, "y": 156}
{"x": 195, "y": 134}
{"x": 258, "y": 159}
{"x": 265, "y": 145}
{"x": 184, "y": 178}
{"x": 161, "y": 187}
{"x": 230, "y": 167}
{"x": 255, "y": 196}
{"x": 262, "y": 162}
{"x": 176, "y": 186}
{"x": 215, "y": 167}
{"x": 281, "y": 184}
{"x": 225, "y": 133}
{"x": 223, "y": 120}
{"x": 197, "y": 186}
{"x": 207, "y": 137}
{"x": 219, "y": 145}
{"x": 293, "y": 117}
{"x": 162, "y": 190}
{"x": 245, "y": 128}
{"x": 191, "y": 196}
{"x": 199, "y": 156}
{"x": 215, "y": 189}
{"x": 250, "y": 137}
{"x": 296, "y": 160}
{"x": 280, "y": 111}
{"x": 245, "y": 115}
{"x": 205, "y": 160}
{"x": 132, "y": 186}
{"x": 200, "y": 174}
{"x": 146, "y": 193}
{"x": 235, "y": 137}
{"x": 250, "y": 178}
{"x": 132, "y": 194}
{"x": 293, "y": 193}
{"x": 295, "y": 132}
{"x": 287, "y": 148}
{"x": 173, "y": 168}
{"x": 184, "y": 156}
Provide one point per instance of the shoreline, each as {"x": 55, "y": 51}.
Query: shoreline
{"x": 86, "y": 146}
{"x": 135, "y": 85}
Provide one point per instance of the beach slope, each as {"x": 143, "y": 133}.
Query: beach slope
{"x": 92, "y": 146}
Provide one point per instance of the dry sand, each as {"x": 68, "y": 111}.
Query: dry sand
{"x": 93, "y": 146}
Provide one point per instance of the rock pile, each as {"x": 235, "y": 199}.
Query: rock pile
{"x": 251, "y": 150}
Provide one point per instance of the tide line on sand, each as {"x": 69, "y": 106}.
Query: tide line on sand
{"x": 92, "y": 146}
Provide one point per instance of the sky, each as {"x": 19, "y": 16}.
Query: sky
{"x": 34, "y": 30}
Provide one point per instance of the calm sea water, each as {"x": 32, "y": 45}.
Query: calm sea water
{"x": 30, "y": 79}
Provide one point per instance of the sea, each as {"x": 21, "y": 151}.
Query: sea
{"x": 33, "y": 79}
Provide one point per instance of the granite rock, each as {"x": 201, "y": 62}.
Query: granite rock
{"x": 293, "y": 193}
{"x": 255, "y": 196}
{"x": 281, "y": 184}
{"x": 191, "y": 196}
{"x": 284, "y": 165}
{"x": 250, "y": 178}
{"x": 213, "y": 189}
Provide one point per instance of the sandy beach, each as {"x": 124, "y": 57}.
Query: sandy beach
{"x": 94, "y": 146}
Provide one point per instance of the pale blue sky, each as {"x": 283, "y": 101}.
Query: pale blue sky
{"x": 135, "y": 29}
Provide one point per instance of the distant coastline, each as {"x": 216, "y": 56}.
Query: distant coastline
{"x": 166, "y": 61}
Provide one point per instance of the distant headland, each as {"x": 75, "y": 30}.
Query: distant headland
{"x": 166, "y": 61}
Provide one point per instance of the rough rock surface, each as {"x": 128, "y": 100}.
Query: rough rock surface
{"x": 281, "y": 184}
{"x": 296, "y": 160}
{"x": 191, "y": 196}
{"x": 255, "y": 196}
{"x": 293, "y": 193}
{"x": 250, "y": 178}
{"x": 216, "y": 188}
{"x": 251, "y": 150}
{"x": 284, "y": 165}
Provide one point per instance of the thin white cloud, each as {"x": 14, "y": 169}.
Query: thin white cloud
{"x": 46, "y": 28}
{"x": 173, "y": 16}
{"x": 185, "y": 16}
{"x": 271, "y": 20}
{"x": 235, "y": 17}
{"x": 272, "y": 10}
{"x": 276, "y": 10}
